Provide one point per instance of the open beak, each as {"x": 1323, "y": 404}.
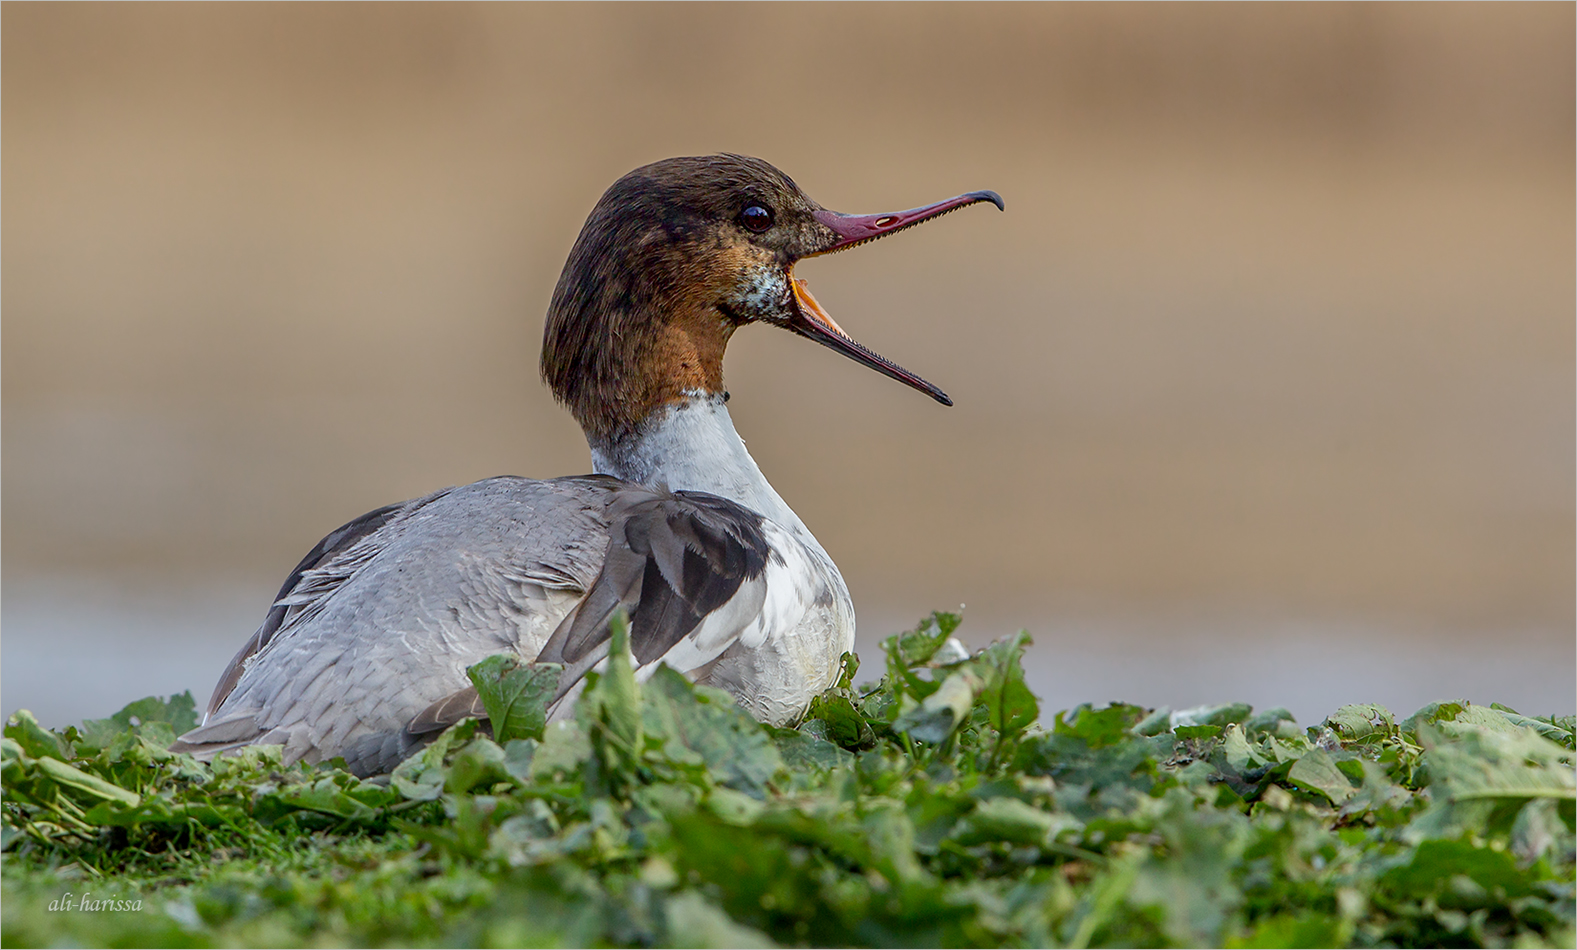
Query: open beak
{"x": 812, "y": 322}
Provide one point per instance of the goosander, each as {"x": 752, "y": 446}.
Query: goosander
{"x": 364, "y": 652}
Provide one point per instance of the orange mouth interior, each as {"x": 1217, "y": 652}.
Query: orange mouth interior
{"x": 813, "y": 310}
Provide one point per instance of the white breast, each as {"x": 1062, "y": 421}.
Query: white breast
{"x": 787, "y": 638}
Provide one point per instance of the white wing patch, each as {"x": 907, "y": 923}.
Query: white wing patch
{"x": 776, "y": 642}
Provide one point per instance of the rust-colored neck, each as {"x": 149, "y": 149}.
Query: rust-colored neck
{"x": 628, "y": 336}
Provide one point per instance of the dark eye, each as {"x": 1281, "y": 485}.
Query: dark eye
{"x": 756, "y": 218}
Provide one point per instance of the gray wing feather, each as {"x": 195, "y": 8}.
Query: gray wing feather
{"x": 672, "y": 560}
{"x": 364, "y": 652}
{"x": 382, "y": 619}
{"x": 334, "y": 543}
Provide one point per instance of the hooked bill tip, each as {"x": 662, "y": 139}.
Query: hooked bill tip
{"x": 990, "y": 196}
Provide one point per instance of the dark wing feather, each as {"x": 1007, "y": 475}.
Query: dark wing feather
{"x": 463, "y": 704}
{"x": 621, "y": 583}
{"x": 662, "y": 618}
{"x": 672, "y": 559}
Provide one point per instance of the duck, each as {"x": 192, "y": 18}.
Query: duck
{"x": 363, "y": 653}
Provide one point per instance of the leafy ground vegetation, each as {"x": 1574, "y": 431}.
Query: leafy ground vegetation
{"x": 931, "y": 809}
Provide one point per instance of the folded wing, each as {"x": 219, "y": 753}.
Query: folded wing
{"x": 363, "y": 653}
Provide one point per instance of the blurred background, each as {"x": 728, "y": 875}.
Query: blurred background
{"x": 1264, "y": 382}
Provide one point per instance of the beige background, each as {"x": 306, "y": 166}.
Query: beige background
{"x": 1264, "y": 382}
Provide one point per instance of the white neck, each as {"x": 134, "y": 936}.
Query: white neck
{"x": 692, "y": 446}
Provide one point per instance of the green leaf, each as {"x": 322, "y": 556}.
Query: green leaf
{"x": 481, "y": 762}
{"x": 33, "y": 738}
{"x": 1305, "y": 929}
{"x": 1562, "y": 731}
{"x": 1190, "y": 884}
{"x": 1378, "y": 798}
{"x": 1276, "y": 722}
{"x": 1157, "y": 722}
{"x": 1474, "y": 717}
{"x": 1239, "y": 753}
{"x": 1565, "y": 725}
{"x": 102, "y": 734}
{"x": 1317, "y": 771}
{"x": 563, "y": 751}
{"x": 1010, "y": 706}
{"x": 736, "y": 808}
{"x": 1435, "y": 863}
{"x": 179, "y": 712}
{"x": 1537, "y": 831}
{"x": 1099, "y": 727}
{"x": 943, "y": 711}
{"x": 329, "y": 795}
{"x": 91, "y": 786}
{"x": 841, "y": 722}
{"x": 693, "y": 922}
{"x": 162, "y": 812}
{"x": 1432, "y": 713}
{"x": 1477, "y": 762}
{"x": 421, "y": 777}
{"x": 516, "y": 695}
{"x": 610, "y": 707}
{"x": 700, "y": 724}
{"x": 1103, "y": 901}
{"x": 808, "y": 748}
{"x": 1222, "y": 715}
{"x": 1011, "y": 820}
{"x": 907, "y": 651}
{"x": 158, "y": 720}
{"x": 1362, "y": 721}
{"x": 848, "y": 666}
{"x": 920, "y": 644}
{"x": 518, "y": 756}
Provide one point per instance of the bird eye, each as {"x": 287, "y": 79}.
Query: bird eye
{"x": 756, "y": 218}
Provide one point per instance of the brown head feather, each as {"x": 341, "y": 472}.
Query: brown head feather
{"x": 676, "y": 256}
{"x": 641, "y": 312}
